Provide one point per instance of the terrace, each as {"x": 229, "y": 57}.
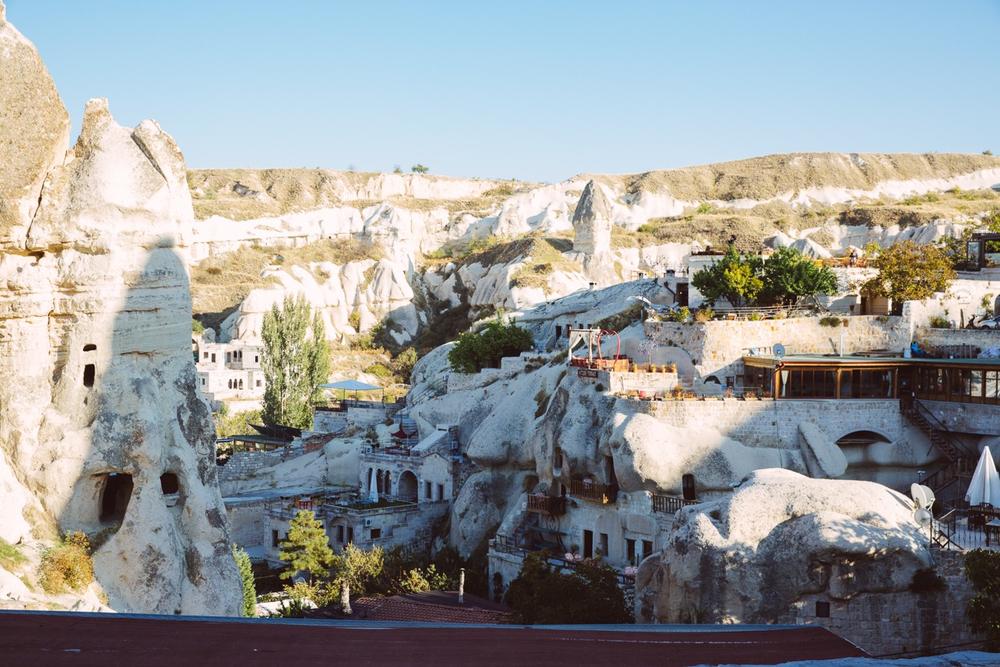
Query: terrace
{"x": 857, "y": 377}
{"x": 585, "y": 489}
{"x": 541, "y": 503}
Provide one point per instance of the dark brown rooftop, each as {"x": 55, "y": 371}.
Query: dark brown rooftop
{"x": 38, "y": 639}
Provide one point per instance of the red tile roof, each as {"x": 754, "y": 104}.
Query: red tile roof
{"x": 51, "y": 638}
{"x": 430, "y": 607}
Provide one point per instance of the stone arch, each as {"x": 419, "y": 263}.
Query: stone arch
{"x": 406, "y": 486}
{"x": 856, "y": 446}
{"x": 855, "y": 435}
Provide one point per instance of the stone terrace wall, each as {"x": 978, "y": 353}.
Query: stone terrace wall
{"x": 242, "y": 465}
{"x": 770, "y": 423}
{"x": 974, "y": 418}
{"x": 984, "y": 339}
{"x": 717, "y": 347}
{"x": 903, "y": 622}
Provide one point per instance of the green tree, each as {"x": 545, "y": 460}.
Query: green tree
{"x": 734, "y": 278}
{"x": 295, "y": 361}
{"x": 245, "y": 568}
{"x": 590, "y": 594}
{"x": 353, "y": 569}
{"x": 307, "y": 548}
{"x": 474, "y": 351}
{"x": 788, "y": 275}
{"x": 983, "y": 611}
{"x": 420, "y": 169}
{"x": 404, "y": 363}
{"x": 908, "y": 271}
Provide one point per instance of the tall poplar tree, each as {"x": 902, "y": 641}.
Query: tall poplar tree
{"x": 295, "y": 361}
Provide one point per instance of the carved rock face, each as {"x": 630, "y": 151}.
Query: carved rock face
{"x": 34, "y": 129}
{"x": 102, "y": 428}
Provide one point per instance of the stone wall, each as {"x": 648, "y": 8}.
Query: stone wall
{"x": 242, "y": 465}
{"x": 976, "y": 418}
{"x": 771, "y": 423}
{"x": 907, "y": 623}
{"x": 984, "y": 339}
{"x": 246, "y": 524}
{"x": 717, "y": 347}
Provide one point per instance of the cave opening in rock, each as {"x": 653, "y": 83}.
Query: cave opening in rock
{"x": 169, "y": 483}
{"x": 89, "y": 372}
{"x": 115, "y": 495}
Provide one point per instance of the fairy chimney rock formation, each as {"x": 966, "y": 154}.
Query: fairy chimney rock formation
{"x": 34, "y": 131}
{"x": 592, "y": 222}
{"x": 102, "y": 428}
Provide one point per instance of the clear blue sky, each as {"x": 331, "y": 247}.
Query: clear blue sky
{"x": 533, "y": 90}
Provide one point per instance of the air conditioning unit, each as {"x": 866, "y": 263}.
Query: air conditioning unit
{"x": 368, "y": 522}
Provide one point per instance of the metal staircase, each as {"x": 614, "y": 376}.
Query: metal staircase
{"x": 960, "y": 461}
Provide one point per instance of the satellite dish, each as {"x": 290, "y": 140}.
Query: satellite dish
{"x": 779, "y": 350}
{"x": 923, "y": 497}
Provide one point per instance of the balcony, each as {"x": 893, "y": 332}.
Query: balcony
{"x": 547, "y": 505}
{"x": 670, "y": 504}
{"x": 604, "y": 494}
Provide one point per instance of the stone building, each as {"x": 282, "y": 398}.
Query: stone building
{"x": 230, "y": 373}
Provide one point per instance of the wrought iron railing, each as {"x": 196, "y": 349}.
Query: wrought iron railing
{"x": 604, "y": 494}
{"x": 544, "y": 504}
{"x": 670, "y": 504}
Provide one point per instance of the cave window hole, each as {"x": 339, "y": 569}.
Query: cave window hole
{"x": 89, "y": 347}
{"x": 169, "y": 484}
{"x": 115, "y": 496}
{"x": 89, "y": 373}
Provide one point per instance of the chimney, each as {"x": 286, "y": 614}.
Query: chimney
{"x": 461, "y": 586}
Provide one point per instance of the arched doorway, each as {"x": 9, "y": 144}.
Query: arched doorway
{"x": 406, "y": 486}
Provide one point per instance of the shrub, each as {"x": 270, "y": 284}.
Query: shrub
{"x": 983, "y": 611}
{"x": 704, "y": 314}
{"x": 67, "y": 566}
{"x": 831, "y": 321}
{"x": 197, "y": 327}
{"x": 590, "y": 594}
{"x": 939, "y": 322}
{"x": 404, "y": 363}
{"x": 10, "y": 557}
{"x": 682, "y": 314}
{"x": 755, "y": 316}
{"x": 475, "y": 351}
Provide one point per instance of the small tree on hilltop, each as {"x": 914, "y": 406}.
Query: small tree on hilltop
{"x": 420, "y": 169}
{"x": 734, "y": 278}
{"x": 908, "y": 271}
{"x": 295, "y": 361}
{"x": 307, "y": 548}
{"x": 245, "y": 567}
{"x": 788, "y": 275}
{"x": 485, "y": 348}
